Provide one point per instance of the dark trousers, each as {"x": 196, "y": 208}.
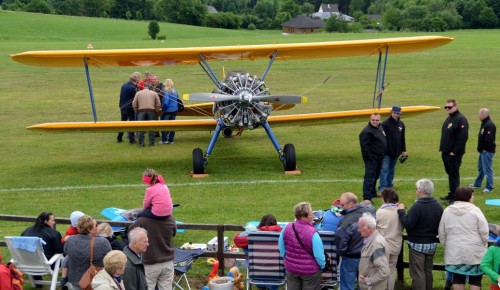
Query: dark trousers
{"x": 303, "y": 282}
{"x": 126, "y": 116}
{"x": 421, "y": 270}
{"x": 452, "y": 168}
{"x": 372, "y": 173}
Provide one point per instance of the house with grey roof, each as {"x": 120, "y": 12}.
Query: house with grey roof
{"x": 302, "y": 24}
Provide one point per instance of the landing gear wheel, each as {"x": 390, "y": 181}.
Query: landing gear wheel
{"x": 198, "y": 166}
{"x": 290, "y": 161}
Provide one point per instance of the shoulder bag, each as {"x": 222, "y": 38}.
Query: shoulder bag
{"x": 86, "y": 281}
{"x": 328, "y": 265}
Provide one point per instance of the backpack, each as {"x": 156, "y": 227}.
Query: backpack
{"x": 10, "y": 277}
{"x": 180, "y": 105}
{"x": 17, "y": 277}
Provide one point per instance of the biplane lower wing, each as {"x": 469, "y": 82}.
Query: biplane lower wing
{"x": 209, "y": 124}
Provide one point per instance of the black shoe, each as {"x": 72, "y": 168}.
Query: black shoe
{"x": 119, "y": 141}
{"x": 153, "y": 144}
{"x": 64, "y": 281}
{"x": 142, "y": 145}
{"x": 445, "y": 198}
{"x": 133, "y": 141}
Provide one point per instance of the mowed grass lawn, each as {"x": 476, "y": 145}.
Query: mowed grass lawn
{"x": 90, "y": 171}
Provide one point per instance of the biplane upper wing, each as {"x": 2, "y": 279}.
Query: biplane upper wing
{"x": 209, "y": 124}
{"x": 192, "y": 55}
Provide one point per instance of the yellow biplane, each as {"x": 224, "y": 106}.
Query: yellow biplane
{"x": 240, "y": 101}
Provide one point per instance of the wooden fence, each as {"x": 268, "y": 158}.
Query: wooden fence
{"x": 220, "y": 254}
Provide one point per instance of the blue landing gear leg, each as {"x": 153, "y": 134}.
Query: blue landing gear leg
{"x": 287, "y": 155}
{"x": 200, "y": 161}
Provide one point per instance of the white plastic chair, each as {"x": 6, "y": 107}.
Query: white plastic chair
{"x": 27, "y": 254}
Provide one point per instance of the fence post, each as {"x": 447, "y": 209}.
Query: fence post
{"x": 400, "y": 269}
{"x": 220, "y": 248}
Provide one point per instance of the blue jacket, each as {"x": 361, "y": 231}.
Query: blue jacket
{"x": 169, "y": 104}
{"x": 127, "y": 94}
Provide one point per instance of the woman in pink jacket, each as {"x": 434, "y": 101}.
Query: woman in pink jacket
{"x": 157, "y": 202}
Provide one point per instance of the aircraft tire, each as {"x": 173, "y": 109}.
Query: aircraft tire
{"x": 198, "y": 167}
{"x": 290, "y": 161}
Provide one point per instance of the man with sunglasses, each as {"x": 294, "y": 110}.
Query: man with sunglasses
{"x": 454, "y": 135}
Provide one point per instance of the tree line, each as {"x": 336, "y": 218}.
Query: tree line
{"x": 392, "y": 15}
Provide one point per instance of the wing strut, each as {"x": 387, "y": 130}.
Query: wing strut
{"x": 271, "y": 61}
{"x": 209, "y": 72}
{"x": 380, "y": 79}
{"x": 91, "y": 93}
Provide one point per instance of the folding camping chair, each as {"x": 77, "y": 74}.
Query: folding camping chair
{"x": 330, "y": 279}
{"x": 182, "y": 263}
{"x": 265, "y": 265}
{"x": 27, "y": 254}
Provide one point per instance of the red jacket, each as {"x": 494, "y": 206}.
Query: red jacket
{"x": 242, "y": 242}
{"x": 5, "y": 278}
{"x": 69, "y": 232}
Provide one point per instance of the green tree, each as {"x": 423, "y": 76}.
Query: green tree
{"x": 69, "y": 7}
{"x": 191, "y": 12}
{"x": 334, "y": 24}
{"x": 153, "y": 29}
{"x": 307, "y": 8}
{"x": 488, "y": 18}
{"x": 265, "y": 9}
{"x": 39, "y": 6}
{"x": 391, "y": 19}
{"x": 289, "y": 6}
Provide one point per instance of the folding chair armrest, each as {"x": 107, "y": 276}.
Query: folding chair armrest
{"x": 55, "y": 258}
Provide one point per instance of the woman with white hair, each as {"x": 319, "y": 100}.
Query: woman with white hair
{"x": 110, "y": 278}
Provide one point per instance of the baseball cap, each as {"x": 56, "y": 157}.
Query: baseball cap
{"x": 337, "y": 202}
{"x": 396, "y": 109}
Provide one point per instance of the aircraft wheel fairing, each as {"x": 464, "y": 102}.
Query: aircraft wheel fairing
{"x": 198, "y": 167}
{"x": 290, "y": 161}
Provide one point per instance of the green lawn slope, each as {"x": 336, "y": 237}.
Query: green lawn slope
{"x": 88, "y": 172}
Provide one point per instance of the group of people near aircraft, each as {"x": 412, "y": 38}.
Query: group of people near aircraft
{"x": 146, "y": 100}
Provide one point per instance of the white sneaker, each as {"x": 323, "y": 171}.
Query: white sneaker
{"x": 170, "y": 142}
{"x": 473, "y": 186}
{"x": 161, "y": 142}
{"x": 486, "y": 190}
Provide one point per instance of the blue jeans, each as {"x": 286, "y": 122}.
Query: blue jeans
{"x": 168, "y": 135}
{"x": 485, "y": 168}
{"x": 146, "y": 116}
{"x": 348, "y": 273}
{"x": 387, "y": 172}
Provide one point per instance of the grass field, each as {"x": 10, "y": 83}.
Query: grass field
{"x": 88, "y": 172}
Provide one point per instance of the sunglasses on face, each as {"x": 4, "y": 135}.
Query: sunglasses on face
{"x": 448, "y": 107}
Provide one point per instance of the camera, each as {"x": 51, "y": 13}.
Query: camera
{"x": 403, "y": 158}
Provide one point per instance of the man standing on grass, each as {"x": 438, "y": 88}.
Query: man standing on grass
{"x": 421, "y": 224}
{"x": 454, "y": 135}
{"x": 486, "y": 148}
{"x": 373, "y": 144}
{"x": 127, "y": 94}
{"x": 394, "y": 129}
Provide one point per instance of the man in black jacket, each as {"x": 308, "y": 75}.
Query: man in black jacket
{"x": 373, "y": 144}
{"x": 486, "y": 148}
{"x": 394, "y": 129}
{"x": 421, "y": 224}
{"x": 454, "y": 135}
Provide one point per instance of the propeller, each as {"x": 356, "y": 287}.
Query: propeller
{"x": 245, "y": 97}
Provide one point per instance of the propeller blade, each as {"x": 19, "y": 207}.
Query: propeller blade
{"x": 282, "y": 99}
{"x": 209, "y": 97}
